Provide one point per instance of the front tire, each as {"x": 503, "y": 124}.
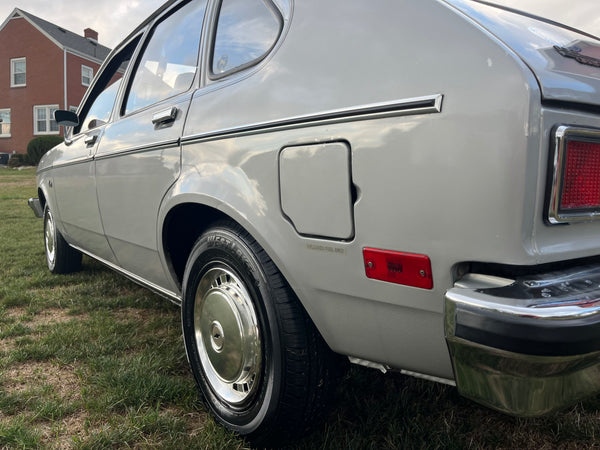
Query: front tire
{"x": 261, "y": 365}
{"x": 60, "y": 257}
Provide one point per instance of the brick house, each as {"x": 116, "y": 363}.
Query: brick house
{"x": 43, "y": 67}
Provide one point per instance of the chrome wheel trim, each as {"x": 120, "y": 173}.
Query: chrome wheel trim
{"x": 227, "y": 335}
{"x": 50, "y": 238}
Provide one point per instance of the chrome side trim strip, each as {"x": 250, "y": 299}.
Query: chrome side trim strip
{"x": 370, "y": 364}
{"x": 72, "y": 162}
{"x": 413, "y": 106}
{"x": 428, "y": 377}
{"x": 169, "y": 295}
{"x": 139, "y": 149}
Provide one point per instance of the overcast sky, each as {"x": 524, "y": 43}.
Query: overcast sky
{"x": 112, "y": 19}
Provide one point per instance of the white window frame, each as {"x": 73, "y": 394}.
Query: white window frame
{"x": 73, "y": 108}
{"x": 6, "y": 135}
{"x": 13, "y": 63}
{"x": 48, "y": 119}
{"x": 90, "y": 70}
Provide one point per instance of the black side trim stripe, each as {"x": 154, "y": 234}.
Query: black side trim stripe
{"x": 413, "y": 106}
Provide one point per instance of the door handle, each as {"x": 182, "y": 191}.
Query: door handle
{"x": 165, "y": 116}
{"x": 90, "y": 140}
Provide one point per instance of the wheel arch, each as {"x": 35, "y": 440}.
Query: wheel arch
{"x": 186, "y": 219}
{"x": 42, "y": 197}
{"x": 182, "y": 226}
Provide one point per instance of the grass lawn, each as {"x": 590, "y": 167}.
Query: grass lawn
{"x": 91, "y": 360}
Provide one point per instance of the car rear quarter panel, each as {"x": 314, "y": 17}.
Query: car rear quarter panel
{"x": 456, "y": 185}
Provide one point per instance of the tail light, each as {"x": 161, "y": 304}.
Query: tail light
{"x": 575, "y": 190}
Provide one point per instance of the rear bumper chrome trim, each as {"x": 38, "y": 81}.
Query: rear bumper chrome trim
{"x": 529, "y": 347}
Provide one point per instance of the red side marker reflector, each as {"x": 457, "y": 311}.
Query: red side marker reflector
{"x": 409, "y": 269}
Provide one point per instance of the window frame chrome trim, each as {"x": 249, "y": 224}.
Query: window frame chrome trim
{"x": 561, "y": 135}
{"x": 212, "y": 37}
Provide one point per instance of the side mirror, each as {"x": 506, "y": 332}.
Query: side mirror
{"x": 66, "y": 118}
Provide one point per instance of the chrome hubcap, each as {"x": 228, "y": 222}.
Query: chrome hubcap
{"x": 50, "y": 238}
{"x": 227, "y": 336}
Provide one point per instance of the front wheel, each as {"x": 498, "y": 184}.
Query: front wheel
{"x": 262, "y": 367}
{"x": 60, "y": 257}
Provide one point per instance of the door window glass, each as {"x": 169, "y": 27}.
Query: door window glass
{"x": 246, "y": 31}
{"x": 100, "y": 110}
{"x": 98, "y": 106}
{"x": 168, "y": 64}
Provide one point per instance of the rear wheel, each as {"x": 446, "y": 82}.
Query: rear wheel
{"x": 262, "y": 367}
{"x": 60, "y": 257}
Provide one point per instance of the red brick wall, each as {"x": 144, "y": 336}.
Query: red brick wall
{"x": 45, "y": 80}
{"x": 75, "y": 89}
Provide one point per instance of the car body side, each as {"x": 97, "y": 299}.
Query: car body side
{"x": 447, "y": 140}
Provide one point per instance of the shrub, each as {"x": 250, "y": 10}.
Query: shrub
{"x": 17, "y": 160}
{"x": 38, "y": 146}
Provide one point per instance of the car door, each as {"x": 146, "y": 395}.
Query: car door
{"x": 75, "y": 193}
{"x": 139, "y": 156}
{"x": 74, "y": 170}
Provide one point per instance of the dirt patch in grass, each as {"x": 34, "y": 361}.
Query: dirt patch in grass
{"x": 24, "y": 183}
{"x": 47, "y": 316}
{"x": 21, "y": 377}
{"x": 196, "y": 423}
{"x": 62, "y": 434}
{"x": 7, "y": 345}
{"x": 144, "y": 315}
{"x": 50, "y": 316}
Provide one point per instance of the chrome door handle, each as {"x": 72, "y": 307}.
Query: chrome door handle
{"x": 165, "y": 116}
{"x": 91, "y": 139}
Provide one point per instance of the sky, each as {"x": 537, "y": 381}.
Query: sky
{"x": 115, "y": 19}
{"x": 112, "y": 19}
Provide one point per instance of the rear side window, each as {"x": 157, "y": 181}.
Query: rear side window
{"x": 168, "y": 64}
{"x": 246, "y": 31}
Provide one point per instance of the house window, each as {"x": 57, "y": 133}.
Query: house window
{"x": 43, "y": 119}
{"x": 87, "y": 74}
{"x": 18, "y": 72}
{"x": 4, "y": 123}
{"x": 73, "y": 109}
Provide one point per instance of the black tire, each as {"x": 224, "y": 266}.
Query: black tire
{"x": 275, "y": 382}
{"x": 60, "y": 256}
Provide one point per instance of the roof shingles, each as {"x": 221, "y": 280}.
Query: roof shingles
{"x": 69, "y": 39}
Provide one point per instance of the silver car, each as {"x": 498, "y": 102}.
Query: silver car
{"x": 412, "y": 185}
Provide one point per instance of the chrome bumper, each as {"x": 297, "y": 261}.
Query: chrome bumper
{"x": 36, "y": 206}
{"x": 526, "y": 346}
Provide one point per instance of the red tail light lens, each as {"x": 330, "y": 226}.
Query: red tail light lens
{"x": 575, "y": 190}
{"x": 581, "y": 182}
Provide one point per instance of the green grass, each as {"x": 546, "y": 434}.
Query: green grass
{"x": 91, "y": 360}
